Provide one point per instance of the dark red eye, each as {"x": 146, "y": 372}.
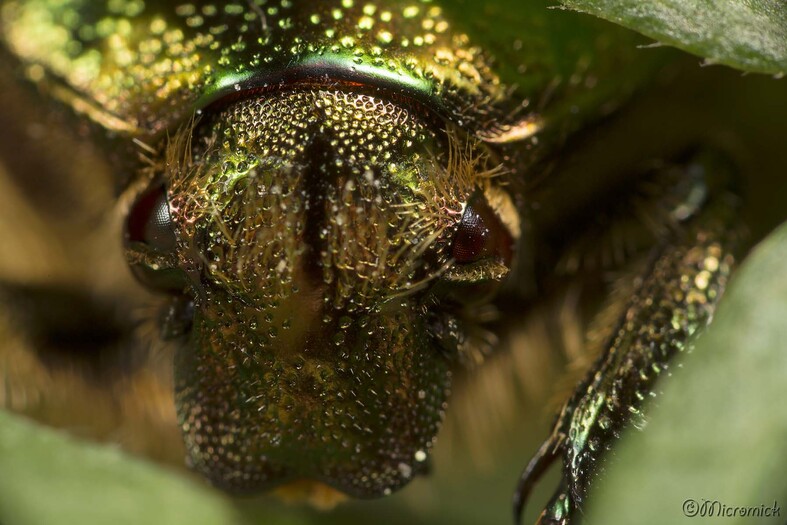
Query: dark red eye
{"x": 150, "y": 234}
{"x": 481, "y": 235}
{"x": 149, "y": 221}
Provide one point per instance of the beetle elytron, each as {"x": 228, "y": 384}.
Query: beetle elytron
{"x": 326, "y": 198}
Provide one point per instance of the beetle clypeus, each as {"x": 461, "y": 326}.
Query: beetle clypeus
{"x": 327, "y": 199}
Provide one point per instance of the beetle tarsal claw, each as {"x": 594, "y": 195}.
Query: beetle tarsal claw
{"x": 547, "y": 453}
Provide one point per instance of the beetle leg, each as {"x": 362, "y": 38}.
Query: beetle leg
{"x": 674, "y": 298}
{"x": 548, "y": 452}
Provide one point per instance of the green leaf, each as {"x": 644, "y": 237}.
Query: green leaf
{"x": 746, "y": 34}
{"x": 47, "y": 477}
{"x": 719, "y": 433}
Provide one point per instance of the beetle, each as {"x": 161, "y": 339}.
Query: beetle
{"x": 329, "y": 201}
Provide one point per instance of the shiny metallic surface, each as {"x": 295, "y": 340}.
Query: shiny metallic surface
{"x": 309, "y": 315}
{"x": 320, "y": 217}
{"x": 314, "y": 197}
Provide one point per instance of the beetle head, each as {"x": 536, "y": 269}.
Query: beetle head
{"x": 332, "y": 243}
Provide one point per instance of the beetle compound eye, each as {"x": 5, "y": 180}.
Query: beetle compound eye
{"x": 151, "y": 243}
{"x": 149, "y": 221}
{"x": 472, "y": 239}
{"x": 481, "y": 235}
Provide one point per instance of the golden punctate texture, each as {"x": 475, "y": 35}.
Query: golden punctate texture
{"x": 139, "y": 66}
{"x": 326, "y": 155}
{"x": 319, "y": 217}
{"x": 314, "y": 199}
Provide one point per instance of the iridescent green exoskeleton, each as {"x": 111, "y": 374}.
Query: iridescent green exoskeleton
{"x": 328, "y": 196}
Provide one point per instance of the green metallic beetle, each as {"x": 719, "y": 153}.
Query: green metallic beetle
{"x": 328, "y": 198}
